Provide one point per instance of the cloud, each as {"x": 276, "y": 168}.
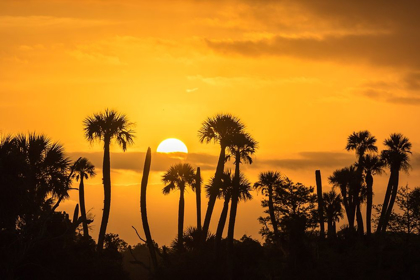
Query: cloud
{"x": 309, "y": 160}
{"x": 134, "y": 161}
{"x": 191, "y": 90}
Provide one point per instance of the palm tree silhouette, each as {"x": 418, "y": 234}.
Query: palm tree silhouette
{"x": 333, "y": 211}
{"x": 372, "y": 165}
{"x": 179, "y": 176}
{"x": 242, "y": 147}
{"x": 361, "y": 142}
{"x": 345, "y": 179}
{"x": 219, "y": 129}
{"x": 396, "y": 157}
{"x": 267, "y": 183}
{"x": 83, "y": 170}
{"x": 106, "y": 127}
{"x": 226, "y": 192}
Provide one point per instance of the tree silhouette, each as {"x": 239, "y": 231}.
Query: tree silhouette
{"x": 361, "y": 142}
{"x": 346, "y": 179}
{"x": 372, "y": 165}
{"x": 179, "y": 176}
{"x": 242, "y": 148}
{"x": 266, "y": 184}
{"x": 83, "y": 170}
{"x": 396, "y": 158}
{"x": 333, "y": 211}
{"x": 225, "y": 192}
{"x": 106, "y": 127}
{"x": 221, "y": 129}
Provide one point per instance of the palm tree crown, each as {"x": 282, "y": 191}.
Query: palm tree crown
{"x": 178, "y": 176}
{"x": 221, "y": 128}
{"x": 396, "y": 156}
{"x": 83, "y": 168}
{"x": 268, "y": 180}
{"x": 107, "y": 126}
{"x": 361, "y": 142}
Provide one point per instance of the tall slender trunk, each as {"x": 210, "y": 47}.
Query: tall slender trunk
{"x": 320, "y": 202}
{"x": 234, "y": 204}
{"x": 106, "y": 173}
{"x": 82, "y": 205}
{"x": 347, "y": 208}
{"x": 369, "y": 186}
{"x": 222, "y": 220}
{"x": 143, "y": 209}
{"x": 386, "y": 202}
{"x": 181, "y": 218}
{"x": 198, "y": 197}
{"x": 392, "y": 200}
{"x": 360, "y": 227}
{"x": 213, "y": 196}
{"x": 271, "y": 211}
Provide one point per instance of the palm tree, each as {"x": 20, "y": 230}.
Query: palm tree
{"x": 333, "y": 211}
{"x": 396, "y": 157}
{"x": 219, "y": 129}
{"x": 372, "y": 165}
{"x": 106, "y": 127}
{"x": 361, "y": 142}
{"x": 267, "y": 183}
{"x": 226, "y": 193}
{"x": 345, "y": 180}
{"x": 179, "y": 176}
{"x": 83, "y": 170}
{"x": 242, "y": 147}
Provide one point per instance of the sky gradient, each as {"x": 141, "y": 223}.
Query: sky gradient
{"x": 302, "y": 75}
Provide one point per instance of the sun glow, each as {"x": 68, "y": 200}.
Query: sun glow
{"x": 172, "y": 145}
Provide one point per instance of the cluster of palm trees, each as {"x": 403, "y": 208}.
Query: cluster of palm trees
{"x": 356, "y": 181}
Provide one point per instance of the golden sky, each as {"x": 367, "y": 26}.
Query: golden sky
{"x": 302, "y": 75}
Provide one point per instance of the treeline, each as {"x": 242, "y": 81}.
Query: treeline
{"x": 38, "y": 242}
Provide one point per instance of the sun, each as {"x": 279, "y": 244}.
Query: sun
{"x": 172, "y": 145}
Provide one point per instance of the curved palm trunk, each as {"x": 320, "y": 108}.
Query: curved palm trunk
{"x": 369, "y": 186}
{"x": 271, "y": 211}
{"x": 386, "y": 202}
{"x": 222, "y": 220}
{"x": 106, "y": 173}
{"x": 213, "y": 197}
{"x": 82, "y": 206}
{"x": 181, "y": 218}
{"x": 234, "y": 205}
{"x": 320, "y": 203}
{"x": 143, "y": 209}
{"x": 198, "y": 198}
{"x": 392, "y": 200}
{"x": 360, "y": 227}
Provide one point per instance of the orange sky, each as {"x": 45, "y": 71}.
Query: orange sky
{"x": 302, "y": 77}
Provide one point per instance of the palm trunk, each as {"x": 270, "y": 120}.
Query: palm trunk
{"x": 234, "y": 205}
{"x": 360, "y": 228}
{"x": 143, "y": 209}
{"x": 392, "y": 200}
{"x": 320, "y": 202}
{"x": 181, "y": 218}
{"x": 222, "y": 220}
{"x": 369, "y": 185}
{"x": 386, "y": 202}
{"x": 198, "y": 198}
{"x": 213, "y": 196}
{"x": 271, "y": 210}
{"x": 350, "y": 216}
{"x": 331, "y": 229}
{"x": 82, "y": 206}
{"x": 106, "y": 173}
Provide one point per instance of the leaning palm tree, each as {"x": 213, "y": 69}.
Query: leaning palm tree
{"x": 226, "y": 193}
{"x": 333, "y": 211}
{"x": 242, "y": 147}
{"x": 83, "y": 170}
{"x": 267, "y": 183}
{"x": 179, "y": 176}
{"x": 361, "y": 142}
{"x": 345, "y": 180}
{"x": 108, "y": 126}
{"x": 396, "y": 157}
{"x": 219, "y": 129}
{"x": 372, "y": 165}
